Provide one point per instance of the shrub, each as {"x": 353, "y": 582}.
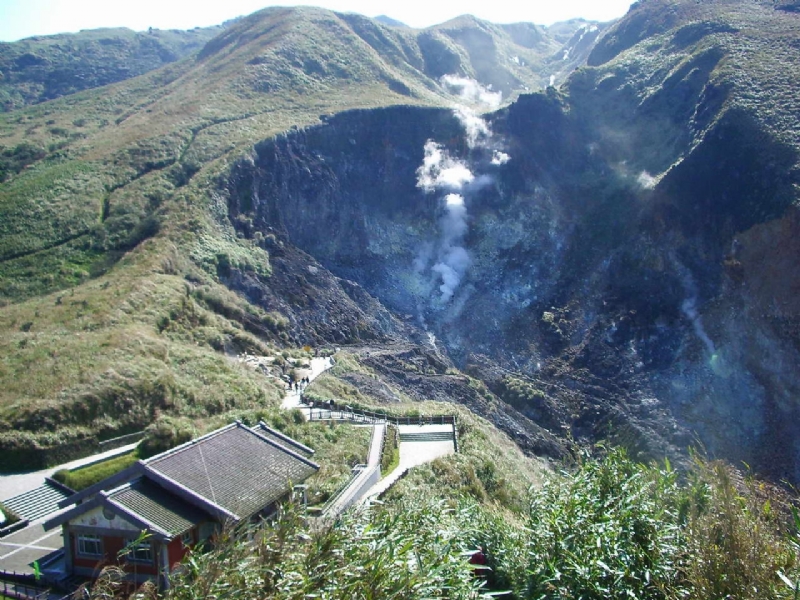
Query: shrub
{"x": 733, "y": 545}
{"x": 411, "y": 551}
{"x": 390, "y": 453}
{"x": 10, "y": 515}
{"x": 83, "y": 477}
{"x": 167, "y": 432}
{"x": 609, "y": 531}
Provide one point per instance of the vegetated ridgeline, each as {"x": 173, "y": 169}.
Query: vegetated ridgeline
{"x": 615, "y": 259}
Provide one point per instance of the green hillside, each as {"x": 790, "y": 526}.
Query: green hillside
{"x": 42, "y": 68}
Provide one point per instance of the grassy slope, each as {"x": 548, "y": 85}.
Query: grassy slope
{"x": 740, "y": 55}
{"x": 41, "y": 68}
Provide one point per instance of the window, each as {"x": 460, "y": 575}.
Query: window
{"x": 141, "y": 552}
{"x": 187, "y": 539}
{"x": 90, "y": 545}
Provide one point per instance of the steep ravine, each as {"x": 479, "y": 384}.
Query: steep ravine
{"x": 630, "y": 308}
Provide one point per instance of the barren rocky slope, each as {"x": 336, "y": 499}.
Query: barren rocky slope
{"x": 626, "y": 273}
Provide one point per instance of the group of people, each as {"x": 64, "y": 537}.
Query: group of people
{"x": 298, "y": 385}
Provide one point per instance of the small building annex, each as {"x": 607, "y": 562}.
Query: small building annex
{"x": 179, "y": 498}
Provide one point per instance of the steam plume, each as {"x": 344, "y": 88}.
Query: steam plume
{"x": 689, "y": 308}
{"x": 439, "y": 170}
{"x": 472, "y": 92}
{"x": 476, "y": 128}
{"x": 689, "y": 305}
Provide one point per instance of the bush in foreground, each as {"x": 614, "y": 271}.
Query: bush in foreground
{"x": 613, "y": 529}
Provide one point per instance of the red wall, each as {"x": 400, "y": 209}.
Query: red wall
{"x": 176, "y": 551}
{"x": 111, "y": 547}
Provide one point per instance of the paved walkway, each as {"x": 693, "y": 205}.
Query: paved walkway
{"x": 414, "y": 453}
{"x": 21, "y": 548}
{"x": 359, "y": 484}
{"x": 292, "y": 398}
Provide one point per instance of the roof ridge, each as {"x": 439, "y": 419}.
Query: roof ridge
{"x": 288, "y": 451}
{"x": 133, "y": 515}
{"x": 283, "y": 436}
{"x": 166, "y": 482}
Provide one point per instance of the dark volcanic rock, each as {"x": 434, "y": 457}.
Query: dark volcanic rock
{"x": 623, "y": 281}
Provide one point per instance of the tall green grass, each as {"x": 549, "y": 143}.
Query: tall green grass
{"x": 81, "y": 478}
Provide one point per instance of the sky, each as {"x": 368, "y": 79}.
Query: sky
{"x": 26, "y": 18}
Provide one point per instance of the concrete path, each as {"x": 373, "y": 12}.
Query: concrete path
{"x": 318, "y": 366}
{"x": 18, "y": 483}
{"x": 413, "y": 454}
{"x": 353, "y": 493}
{"x": 20, "y": 549}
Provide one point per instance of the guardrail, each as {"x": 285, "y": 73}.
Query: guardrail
{"x": 321, "y": 411}
{"x": 122, "y": 440}
{"x": 324, "y": 411}
{"x": 21, "y": 586}
{"x": 361, "y": 481}
{"x": 355, "y": 474}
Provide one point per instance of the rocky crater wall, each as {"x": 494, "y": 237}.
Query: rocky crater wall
{"x": 630, "y": 307}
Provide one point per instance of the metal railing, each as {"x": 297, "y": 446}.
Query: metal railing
{"x": 363, "y": 478}
{"x": 321, "y": 412}
{"x": 122, "y": 440}
{"x": 22, "y": 586}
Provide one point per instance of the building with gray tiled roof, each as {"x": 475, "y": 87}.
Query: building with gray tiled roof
{"x": 179, "y": 498}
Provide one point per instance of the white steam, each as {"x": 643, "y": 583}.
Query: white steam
{"x": 472, "y": 92}
{"x": 646, "y": 181}
{"x": 454, "y": 259}
{"x": 689, "y": 308}
{"x": 443, "y": 173}
{"x": 477, "y": 129}
{"x": 439, "y": 170}
{"x": 500, "y": 158}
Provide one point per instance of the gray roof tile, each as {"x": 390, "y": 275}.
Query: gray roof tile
{"x": 236, "y": 468}
{"x": 157, "y": 506}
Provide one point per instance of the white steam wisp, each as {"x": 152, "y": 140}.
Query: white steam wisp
{"x": 439, "y": 170}
{"x": 472, "y": 92}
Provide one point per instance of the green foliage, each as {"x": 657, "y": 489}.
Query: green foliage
{"x": 611, "y": 531}
{"x": 13, "y": 160}
{"x": 83, "y": 477}
{"x": 165, "y": 433}
{"x": 11, "y": 516}
{"x": 794, "y": 544}
{"x": 46, "y": 67}
{"x": 39, "y": 450}
{"x": 734, "y": 546}
{"x": 411, "y": 551}
{"x": 390, "y": 453}
{"x": 619, "y": 529}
